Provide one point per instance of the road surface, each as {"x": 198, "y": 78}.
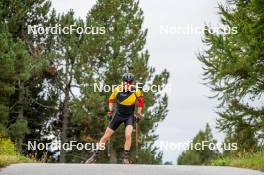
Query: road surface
{"x": 119, "y": 169}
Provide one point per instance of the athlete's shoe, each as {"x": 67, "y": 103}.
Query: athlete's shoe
{"x": 125, "y": 159}
{"x": 92, "y": 159}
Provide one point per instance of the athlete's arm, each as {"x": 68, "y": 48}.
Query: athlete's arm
{"x": 140, "y": 104}
{"x": 139, "y": 110}
{"x": 111, "y": 106}
{"x": 140, "y": 99}
{"x": 112, "y": 99}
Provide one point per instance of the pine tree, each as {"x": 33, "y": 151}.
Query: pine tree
{"x": 103, "y": 58}
{"x": 121, "y": 49}
{"x": 74, "y": 73}
{"x": 233, "y": 67}
{"x": 28, "y": 61}
{"x": 243, "y": 138}
{"x": 7, "y": 71}
{"x": 16, "y": 62}
{"x": 193, "y": 156}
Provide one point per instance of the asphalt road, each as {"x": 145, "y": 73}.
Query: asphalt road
{"x": 119, "y": 169}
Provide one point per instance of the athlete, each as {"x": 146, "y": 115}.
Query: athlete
{"x": 125, "y": 97}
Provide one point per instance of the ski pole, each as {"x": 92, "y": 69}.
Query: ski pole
{"x": 137, "y": 139}
{"x": 108, "y": 146}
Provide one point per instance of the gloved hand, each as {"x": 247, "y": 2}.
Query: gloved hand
{"x": 110, "y": 115}
{"x": 138, "y": 116}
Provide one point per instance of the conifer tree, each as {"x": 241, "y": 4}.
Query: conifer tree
{"x": 121, "y": 49}
{"x": 28, "y": 61}
{"x": 7, "y": 86}
{"x": 233, "y": 67}
{"x": 195, "y": 155}
{"x": 74, "y": 73}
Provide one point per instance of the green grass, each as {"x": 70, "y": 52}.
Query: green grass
{"x": 11, "y": 159}
{"x": 252, "y": 161}
{"x": 9, "y": 155}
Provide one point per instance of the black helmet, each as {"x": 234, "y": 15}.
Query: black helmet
{"x": 128, "y": 77}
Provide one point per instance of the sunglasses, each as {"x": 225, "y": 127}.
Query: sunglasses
{"x": 129, "y": 82}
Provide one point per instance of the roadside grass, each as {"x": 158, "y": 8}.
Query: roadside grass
{"x": 6, "y": 160}
{"x": 9, "y": 155}
{"x": 248, "y": 160}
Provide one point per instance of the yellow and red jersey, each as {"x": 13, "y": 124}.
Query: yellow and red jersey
{"x": 126, "y": 100}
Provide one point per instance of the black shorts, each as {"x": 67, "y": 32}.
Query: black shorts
{"x": 118, "y": 119}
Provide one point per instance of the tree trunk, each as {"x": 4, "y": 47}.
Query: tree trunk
{"x": 21, "y": 95}
{"x": 65, "y": 122}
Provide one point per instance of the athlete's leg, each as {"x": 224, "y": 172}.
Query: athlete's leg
{"x": 128, "y": 137}
{"x": 114, "y": 124}
{"x": 106, "y": 137}
{"x": 129, "y": 123}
